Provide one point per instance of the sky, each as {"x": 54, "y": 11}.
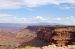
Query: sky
{"x": 33, "y": 11}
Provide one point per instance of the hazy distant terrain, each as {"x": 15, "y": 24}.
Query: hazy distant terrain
{"x": 11, "y": 27}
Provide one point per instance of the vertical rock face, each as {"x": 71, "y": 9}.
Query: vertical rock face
{"x": 62, "y": 36}
{"x": 58, "y": 35}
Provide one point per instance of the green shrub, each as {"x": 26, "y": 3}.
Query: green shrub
{"x": 27, "y": 47}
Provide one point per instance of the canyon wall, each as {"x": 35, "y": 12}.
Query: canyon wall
{"x": 58, "y": 35}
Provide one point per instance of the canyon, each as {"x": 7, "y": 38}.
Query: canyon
{"x": 38, "y": 36}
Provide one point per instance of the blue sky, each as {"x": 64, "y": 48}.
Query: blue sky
{"x": 32, "y": 11}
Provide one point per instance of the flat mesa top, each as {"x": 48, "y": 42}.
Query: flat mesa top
{"x": 64, "y": 29}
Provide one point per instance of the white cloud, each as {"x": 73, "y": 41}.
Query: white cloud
{"x": 39, "y": 18}
{"x": 67, "y": 20}
{"x": 6, "y": 18}
{"x": 4, "y": 15}
{"x": 35, "y": 3}
{"x": 14, "y": 4}
{"x": 10, "y": 4}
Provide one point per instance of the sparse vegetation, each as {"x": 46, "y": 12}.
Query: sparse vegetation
{"x": 27, "y": 47}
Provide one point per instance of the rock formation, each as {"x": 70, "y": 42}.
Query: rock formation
{"x": 58, "y": 35}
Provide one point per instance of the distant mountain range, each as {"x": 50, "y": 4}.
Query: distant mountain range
{"x": 16, "y": 25}
{"x": 44, "y": 23}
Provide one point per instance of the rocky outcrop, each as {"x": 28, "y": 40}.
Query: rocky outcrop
{"x": 58, "y": 35}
